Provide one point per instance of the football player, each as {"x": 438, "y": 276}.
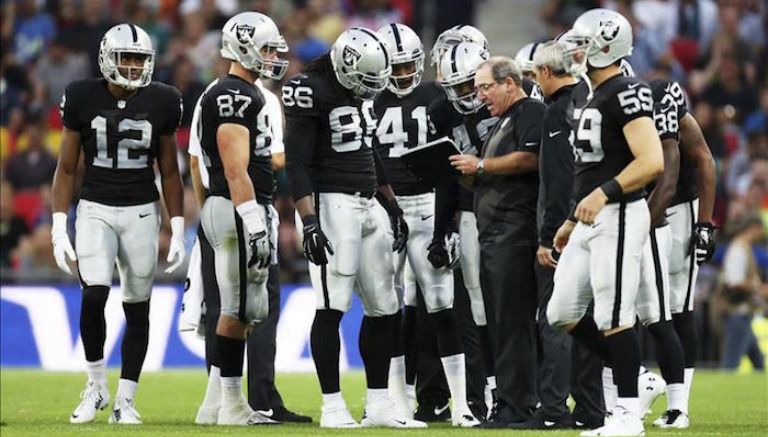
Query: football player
{"x": 236, "y": 221}
{"x": 618, "y": 153}
{"x": 524, "y": 59}
{"x": 121, "y": 123}
{"x": 451, "y": 37}
{"x": 401, "y": 111}
{"x": 334, "y": 177}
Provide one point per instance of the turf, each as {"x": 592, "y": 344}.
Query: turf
{"x": 37, "y": 403}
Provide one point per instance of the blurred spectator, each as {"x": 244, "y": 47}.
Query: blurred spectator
{"x": 373, "y": 14}
{"x": 185, "y": 79}
{"x": 745, "y": 163}
{"x": 33, "y": 167}
{"x": 96, "y": 21}
{"x": 12, "y": 227}
{"x": 757, "y": 121}
{"x": 201, "y": 44}
{"x": 743, "y": 292}
{"x": 696, "y": 26}
{"x": 562, "y": 13}
{"x": 15, "y": 87}
{"x": 33, "y": 30}
{"x": 56, "y": 69}
{"x": 143, "y": 13}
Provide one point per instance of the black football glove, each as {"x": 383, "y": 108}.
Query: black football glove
{"x": 261, "y": 250}
{"x": 315, "y": 242}
{"x": 437, "y": 254}
{"x": 400, "y": 231}
{"x": 703, "y": 242}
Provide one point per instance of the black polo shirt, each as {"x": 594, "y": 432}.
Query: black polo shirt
{"x": 510, "y": 200}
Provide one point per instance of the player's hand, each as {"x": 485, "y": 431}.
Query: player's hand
{"x": 453, "y": 246}
{"x": 261, "y": 250}
{"x": 563, "y": 235}
{"x": 62, "y": 247}
{"x": 177, "y": 251}
{"x": 466, "y": 164}
{"x": 590, "y": 206}
{"x": 703, "y": 242}
{"x": 437, "y": 253}
{"x": 315, "y": 242}
{"x": 400, "y": 231}
{"x": 544, "y": 255}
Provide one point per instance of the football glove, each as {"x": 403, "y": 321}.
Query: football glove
{"x": 444, "y": 252}
{"x": 259, "y": 248}
{"x": 703, "y": 242}
{"x": 176, "y": 251}
{"x": 62, "y": 247}
{"x": 315, "y": 242}
{"x": 400, "y": 232}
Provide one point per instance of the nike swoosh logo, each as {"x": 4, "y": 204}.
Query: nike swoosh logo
{"x": 144, "y": 215}
{"x": 267, "y": 413}
{"x": 634, "y": 85}
{"x": 554, "y": 134}
{"x": 439, "y": 411}
{"x": 533, "y": 143}
{"x": 401, "y": 422}
{"x": 296, "y": 81}
{"x": 549, "y": 424}
{"x": 425, "y": 217}
{"x": 235, "y": 91}
{"x": 75, "y": 416}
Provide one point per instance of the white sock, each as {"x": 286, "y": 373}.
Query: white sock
{"x": 333, "y": 400}
{"x": 676, "y": 399}
{"x": 374, "y": 395}
{"x": 212, "y": 397}
{"x": 396, "y": 384}
{"x": 97, "y": 372}
{"x": 491, "y": 382}
{"x": 410, "y": 396}
{"x": 455, "y": 374}
{"x": 688, "y": 381}
{"x": 126, "y": 389}
{"x": 630, "y": 404}
{"x": 610, "y": 391}
{"x": 231, "y": 389}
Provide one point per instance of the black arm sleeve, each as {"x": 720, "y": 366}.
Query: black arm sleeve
{"x": 381, "y": 175}
{"x": 299, "y": 141}
{"x": 556, "y": 177}
{"x": 446, "y": 203}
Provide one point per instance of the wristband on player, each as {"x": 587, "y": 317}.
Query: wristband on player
{"x": 612, "y": 190}
{"x": 59, "y": 223}
{"x": 249, "y": 212}
{"x": 309, "y": 220}
{"x": 177, "y": 226}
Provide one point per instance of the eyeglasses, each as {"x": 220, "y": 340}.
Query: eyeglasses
{"x": 485, "y": 87}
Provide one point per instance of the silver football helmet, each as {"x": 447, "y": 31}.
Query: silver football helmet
{"x": 361, "y": 62}
{"x": 404, "y": 48}
{"x": 453, "y": 36}
{"x": 121, "y": 40}
{"x": 599, "y": 38}
{"x": 459, "y": 66}
{"x": 253, "y": 40}
{"x": 524, "y": 57}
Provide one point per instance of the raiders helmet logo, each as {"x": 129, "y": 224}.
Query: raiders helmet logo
{"x": 350, "y": 56}
{"x": 609, "y": 30}
{"x": 245, "y": 33}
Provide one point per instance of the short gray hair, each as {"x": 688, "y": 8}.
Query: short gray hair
{"x": 503, "y": 67}
{"x": 550, "y": 55}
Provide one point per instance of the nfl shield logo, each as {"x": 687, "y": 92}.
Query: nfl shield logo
{"x": 350, "y": 56}
{"x": 245, "y": 33}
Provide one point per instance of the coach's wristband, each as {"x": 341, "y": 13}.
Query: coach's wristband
{"x": 612, "y": 190}
{"x": 249, "y": 212}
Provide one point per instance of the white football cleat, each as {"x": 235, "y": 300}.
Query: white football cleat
{"x": 207, "y": 415}
{"x": 619, "y": 424}
{"x": 337, "y": 416}
{"x": 464, "y": 420}
{"x": 93, "y": 399}
{"x": 674, "y": 419}
{"x": 124, "y": 413}
{"x": 649, "y": 387}
{"x": 383, "y": 413}
{"x": 241, "y": 414}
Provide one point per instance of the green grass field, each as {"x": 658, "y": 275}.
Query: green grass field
{"x": 36, "y": 403}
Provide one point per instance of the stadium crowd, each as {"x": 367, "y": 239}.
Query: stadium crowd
{"x": 716, "y": 49}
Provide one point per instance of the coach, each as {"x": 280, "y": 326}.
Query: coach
{"x": 506, "y": 185}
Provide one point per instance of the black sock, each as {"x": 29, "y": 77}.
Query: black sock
{"x": 448, "y": 342}
{"x": 397, "y": 346}
{"x": 625, "y": 355}
{"x": 669, "y": 351}
{"x": 685, "y": 325}
{"x": 587, "y": 333}
{"x": 409, "y": 343}
{"x": 93, "y": 326}
{"x": 375, "y": 354}
{"x": 135, "y": 339}
{"x": 326, "y": 345}
{"x": 487, "y": 352}
{"x": 231, "y": 353}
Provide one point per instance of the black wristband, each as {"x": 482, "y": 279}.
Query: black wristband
{"x": 389, "y": 205}
{"x": 309, "y": 220}
{"x": 612, "y": 190}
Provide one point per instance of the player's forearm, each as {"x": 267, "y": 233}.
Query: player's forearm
{"x": 240, "y": 186}
{"x": 278, "y": 161}
{"x": 62, "y": 190}
{"x": 173, "y": 194}
{"x": 694, "y": 146}
{"x": 512, "y": 164}
{"x": 305, "y": 206}
{"x": 666, "y": 183}
{"x": 638, "y": 174}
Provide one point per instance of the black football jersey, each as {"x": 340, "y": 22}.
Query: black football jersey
{"x": 235, "y": 100}
{"x": 600, "y": 148}
{"x": 403, "y": 124}
{"x": 672, "y": 107}
{"x": 120, "y": 138}
{"x": 342, "y": 154}
{"x": 532, "y": 89}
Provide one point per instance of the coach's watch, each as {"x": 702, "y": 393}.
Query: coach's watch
{"x": 480, "y": 167}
